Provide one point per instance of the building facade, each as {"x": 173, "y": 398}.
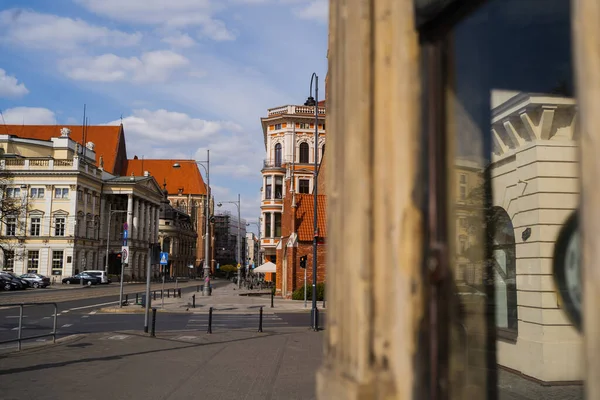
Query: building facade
{"x": 252, "y": 246}
{"x": 186, "y": 192}
{"x": 66, "y": 201}
{"x": 226, "y": 228}
{"x": 177, "y": 237}
{"x": 289, "y": 136}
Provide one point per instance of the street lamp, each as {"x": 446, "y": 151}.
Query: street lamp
{"x": 239, "y": 242}
{"x": 315, "y": 102}
{"x": 110, "y": 214}
{"x": 206, "y": 219}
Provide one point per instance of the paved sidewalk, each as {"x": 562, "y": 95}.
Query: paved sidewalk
{"x": 224, "y": 299}
{"x": 239, "y": 364}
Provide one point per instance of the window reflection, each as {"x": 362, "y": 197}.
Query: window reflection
{"x": 512, "y": 115}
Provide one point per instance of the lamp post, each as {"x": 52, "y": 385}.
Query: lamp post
{"x": 315, "y": 102}
{"x": 110, "y": 214}
{"x": 239, "y": 233}
{"x": 206, "y": 220}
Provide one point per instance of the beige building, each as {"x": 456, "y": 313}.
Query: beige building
{"x": 289, "y": 136}
{"x": 67, "y": 201}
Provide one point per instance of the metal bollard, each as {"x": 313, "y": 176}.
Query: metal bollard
{"x": 209, "y": 320}
{"x": 126, "y": 299}
{"x": 153, "y": 331}
{"x": 136, "y": 298}
{"x": 179, "y": 292}
{"x": 193, "y": 301}
{"x": 154, "y": 295}
{"x": 272, "y": 295}
{"x": 168, "y": 292}
{"x": 197, "y": 288}
{"x": 260, "y": 319}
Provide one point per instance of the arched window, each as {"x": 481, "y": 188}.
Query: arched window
{"x": 303, "y": 153}
{"x": 278, "y": 155}
{"x": 505, "y": 269}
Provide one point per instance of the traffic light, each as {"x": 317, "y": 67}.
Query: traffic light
{"x": 303, "y": 261}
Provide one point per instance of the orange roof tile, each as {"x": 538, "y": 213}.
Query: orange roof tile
{"x": 304, "y": 216}
{"x": 108, "y": 139}
{"x": 186, "y": 177}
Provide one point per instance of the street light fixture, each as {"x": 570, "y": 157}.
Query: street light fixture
{"x": 110, "y": 214}
{"x": 239, "y": 242}
{"x": 314, "y": 102}
{"x": 206, "y": 290}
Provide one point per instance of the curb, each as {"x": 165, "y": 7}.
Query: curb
{"x": 40, "y": 345}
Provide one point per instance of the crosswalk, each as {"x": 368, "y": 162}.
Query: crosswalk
{"x": 235, "y": 321}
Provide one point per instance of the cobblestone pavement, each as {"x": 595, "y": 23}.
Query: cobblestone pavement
{"x": 514, "y": 387}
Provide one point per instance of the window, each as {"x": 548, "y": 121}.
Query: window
{"x": 323, "y": 126}
{"x": 304, "y": 152}
{"x": 37, "y": 193}
{"x": 277, "y": 224}
{"x": 303, "y": 186}
{"x": 278, "y": 187}
{"x": 278, "y": 155}
{"x": 33, "y": 261}
{"x": 277, "y": 126}
{"x": 13, "y": 192}
{"x": 89, "y": 228}
{"x": 268, "y": 186}
{"x": 9, "y": 261}
{"x": 59, "y": 226}
{"x": 80, "y": 195}
{"x": 61, "y": 193}
{"x": 463, "y": 179}
{"x": 463, "y": 192}
{"x": 304, "y": 125}
{"x": 57, "y": 262}
{"x": 268, "y": 232}
{"x": 35, "y": 227}
{"x": 11, "y": 226}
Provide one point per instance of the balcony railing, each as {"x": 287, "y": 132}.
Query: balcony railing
{"x": 274, "y": 163}
{"x": 49, "y": 164}
{"x": 304, "y": 110}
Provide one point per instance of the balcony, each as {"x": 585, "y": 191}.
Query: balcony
{"x": 49, "y": 164}
{"x": 274, "y": 164}
{"x": 298, "y": 110}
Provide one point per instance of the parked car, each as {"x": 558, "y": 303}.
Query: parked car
{"x": 100, "y": 274}
{"x": 7, "y": 283}
{"x": 88, "y": 280}
{"x": 21, "y": 283}
{"x": 36, "y": 280}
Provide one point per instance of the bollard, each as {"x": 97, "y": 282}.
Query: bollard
{"x": 272, "y": 295}
{"x": 169, "y": 293}
{"x": 153, "y": 331}
{"x": 154, "y": 295}
{"x": 260, "y": 318}
{"x": 179, "y": 292}
{"x": 126, "y": 299}
{"x": 193, "y": 301}
{"x": 136, "y": 298}
{"x": 209, "y": 320}
{"x": 197, "y": 288}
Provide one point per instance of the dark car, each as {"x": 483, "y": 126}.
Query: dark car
{"x": 36, "y": 280}
{"x": 21, "y": 283}
{"x": 88, "y": 280}
{"x": 7, "y": 283}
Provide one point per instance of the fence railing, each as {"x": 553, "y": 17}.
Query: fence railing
{"x": 20, "y": 337}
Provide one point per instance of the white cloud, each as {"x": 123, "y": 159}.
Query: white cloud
{"x": 47, "y": 31}
{"x": 317, "y": 10}
{"x": 10, "y": 87}
{"x": 28, "y": 116}
{"x": 182, "y": 40}
{"x": 154, "y": 66}
{"x": 171, "y": 13}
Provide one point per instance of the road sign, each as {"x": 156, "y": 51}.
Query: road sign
{"x": 164, "y": 258}
{"x": 125, "y": 234}
{"x": 125, "y": 226}
{"x": 125, "y": 254}
{"x": 218, "y": 266}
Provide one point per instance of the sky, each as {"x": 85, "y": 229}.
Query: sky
{"x": 183, "y": 75}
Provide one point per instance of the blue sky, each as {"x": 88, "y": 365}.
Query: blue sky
{"x": 185, "y": 75}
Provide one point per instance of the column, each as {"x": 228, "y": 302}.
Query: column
{"x": 130, "y": 212}
{"x": 136, "y": 217}
{"x": 85, "y": 216}
{"x": 143, "y": 222}
{"x": 47, "y": 221}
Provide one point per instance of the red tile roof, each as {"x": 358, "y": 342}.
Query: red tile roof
{"x": 108, "y": 139}
{"x": 186, "y": 177}
{"x": 304, "y": 216}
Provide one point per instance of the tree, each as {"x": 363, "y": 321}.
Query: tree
{"x": 13, "y": 213}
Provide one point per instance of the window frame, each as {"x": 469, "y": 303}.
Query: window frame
{"x": 30, "y": 261}
{"x": 304, "y": 153}
{"x": 300, "y": 185}
{"x": 63, "y": 224}
{"x": 38, "y": 225}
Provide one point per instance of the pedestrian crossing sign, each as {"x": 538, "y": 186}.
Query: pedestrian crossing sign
{"x": 164, "y": 258}
{"x": 239, "y": 266}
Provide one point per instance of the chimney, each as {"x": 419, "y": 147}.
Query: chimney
{"x": 146, "y": 173}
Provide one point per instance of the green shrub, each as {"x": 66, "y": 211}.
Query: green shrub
{"x": 298, "y": 294}
{"x": 228, "y": 268}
